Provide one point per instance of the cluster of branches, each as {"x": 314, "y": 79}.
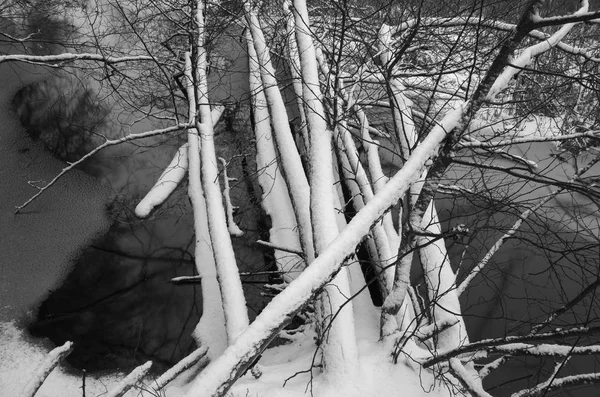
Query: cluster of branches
{"x": 444, "y": 82}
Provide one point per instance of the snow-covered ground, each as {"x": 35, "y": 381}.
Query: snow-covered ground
{"x": 21, "y": 355}
{"x": 377, "y": 376}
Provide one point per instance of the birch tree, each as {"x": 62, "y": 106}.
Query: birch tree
{"x": 401, "y": 109}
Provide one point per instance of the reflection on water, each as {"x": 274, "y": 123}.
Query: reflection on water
{"x": 63, "y": 113}
{"x": 118, "y": 306}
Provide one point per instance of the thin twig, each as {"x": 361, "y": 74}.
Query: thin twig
{"x": 107, "y": 143}
{"x": 166, "y": 184}
{"x": 511, "y": 232}
{"x": 560, "y": 383}
{"x": 522, "y": 217}
{"x": 543, "y": 385}
{"x": 566, "y": 307}
{"x": 488, "y": 368}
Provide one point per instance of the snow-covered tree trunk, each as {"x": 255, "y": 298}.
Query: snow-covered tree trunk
{"x": 232, "y": 294}
{"x": 294, "y": 60}
{"x": 441, "y": 284}
{"x": 291, "y": 165}
{"x": 439, "y": 277}
{"x": 340, "y": 355}
{"x": 356, "y": 179}
{"x": 364, "y": 310}
{"x": 396, "y": 306}
{"x": 210, "y": 331}
{"x": 275, "y": 194}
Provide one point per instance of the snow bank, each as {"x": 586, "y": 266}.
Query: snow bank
{"x": 378, "y": 376}
{"x": 20, "y": 359}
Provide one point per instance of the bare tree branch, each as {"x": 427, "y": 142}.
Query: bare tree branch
{"x": 482, "y": 345}
{"x": 544, "y": 385}
{"x": 562, "y": 19}
{"x": 560, "y": 383}
{"x": 513, "y": 230}
{"x": 515, "y": 141}
{"x": 68, "y": 57}
{"x": 587, "y": 290}
{"x": 107, "y": 143}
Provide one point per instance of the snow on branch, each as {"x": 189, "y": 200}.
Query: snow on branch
{"x": 107, "y": 143}
{"x": 280, "y": 248}
{"x": 186, "y": 280}
{"x": 496, "y": 25}
{"x": 560, "y": 383}
{"x": 233, "y": 228}
{"x": 545, "y": 350}
{"x": 579, "y": 16}
{"x": 42, "y": 372}
{"x": 130, "y": 380}
{"x": 430, "y": 330}
{"x": 464, "y": 111}
{"x": 465, "y": 378}
{"x": 171, "y": 176}
{"x": 488, "y": 344}
{"x": 514, "y": 141}
{"x": 543, "y": 385}
{"x": 68, "y": 57}
{"x": 449, "y": 189}
{"x": 187, "y": 362}
{"x": 395, "y": 300}
{"x": 166, "y": 183}
{"x": 529, "y": 53}
{"x": 488, "y": 368}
